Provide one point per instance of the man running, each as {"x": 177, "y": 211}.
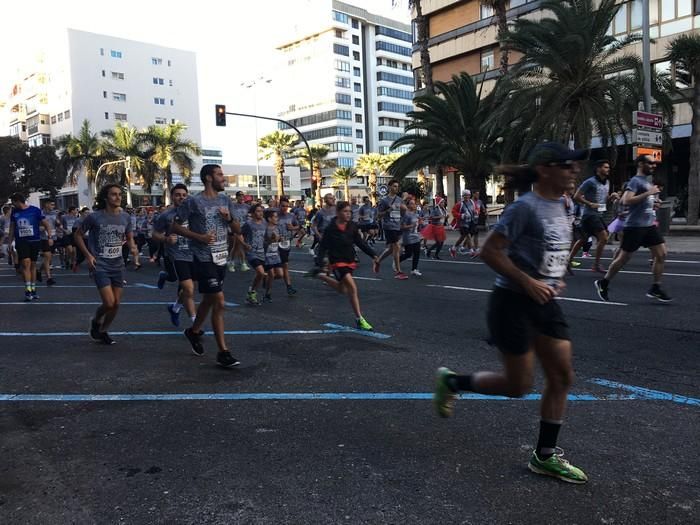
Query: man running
{"x": 109, "y": 227}
{"x": 389, "y": 211}
{"x": 529, "y": 249}
{"x": 593, "y": 195}
{"x": 25, "y": 221}
{"x": 639, "y": 230}
{"x": 209, "y": 218}
{"x": 68, "y": 220}
{"x": 240, "y": 215}
{"x": 322, "y": 219}
{"x": 178, "y": 257}
{"x": 47, "y": 249}
{"x": 288, "y": 227}
{"x": 464, "y": 221}
{"x": 368, "y": 220}
{"x": 253, "y": 234}
{"x": 479, "y": 215}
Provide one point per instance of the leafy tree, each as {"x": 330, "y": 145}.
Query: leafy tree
{"x": 43, "y": 171}
{"x": 279, "y": 145}
{"x": 126, "y": 142}
{"x": 13, "y": 155}
{"x": 343, "y": 176}
{"x": 371, "y": 165}
{"x": 684, "y": 52}
{"x": 413, "y": 187}
{"x": 83, "y": 152}
{"x": 319, "y": 152}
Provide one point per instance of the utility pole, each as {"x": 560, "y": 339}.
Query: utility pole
{"x": 646, "y": 55}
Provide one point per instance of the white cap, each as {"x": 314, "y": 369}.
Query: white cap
{"x": 466, "y": 192}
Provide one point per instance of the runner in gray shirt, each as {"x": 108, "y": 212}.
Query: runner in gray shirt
{"x": 389, "y": 211}
{"x": 411, "y": 237}
{"x": 253, "y": 234}
{"x": 51, "y": 215}
{"x": 288, "y": 227}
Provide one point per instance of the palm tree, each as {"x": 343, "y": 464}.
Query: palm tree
{"x": 569, "y": 68}
{"x": 452, "y": 128}
{"x": 122, "y": 143}
{"x": 371, "y": 165}
{"x": 278, "y": 145}
{"x": 82, "y": 152}
{"x": 684, "y": 52}
{"x": 343, "y": 176}
{"x": 500, "y": 8}
{"x": 166, "y": 146}
{"x": 319, "y": 152}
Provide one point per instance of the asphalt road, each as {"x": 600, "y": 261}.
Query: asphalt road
{"x": 321, "y": 424}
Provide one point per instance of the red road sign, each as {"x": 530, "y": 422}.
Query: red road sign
{"x": 647, "y": 120}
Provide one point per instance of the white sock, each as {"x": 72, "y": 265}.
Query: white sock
{"x": 177, "y": 307}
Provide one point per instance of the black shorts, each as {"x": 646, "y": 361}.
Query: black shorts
{"x": 210, "y": 276}
{"x": 340, "y": 272}
{"x": 254, "y": 263}
{"x": 27, "y": 249}
{"x": 514, "y": 319}
{"x": 645, "y": 236}
{"x": 45, "y": 246}
{"x": 592, "y": 225}
{"x": 178, "y": 270}
{"x": 464, "y": 231}
{"x": 367, "y": 227}
{"x": 269, "y": 267}
{"x": 284, "y": 255}
{"x": 473, "y": 229}
{"x": 392, "y": 236}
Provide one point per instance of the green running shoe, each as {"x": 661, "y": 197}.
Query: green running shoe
{"x": 444, "y": 397}
{"x": 362, "y": 324}
{"x": 557, "y": 467}
{"x": 574, "y": 264}
{"x": 252, "y": 298}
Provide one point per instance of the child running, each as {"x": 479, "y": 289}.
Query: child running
{"x": 273, "y": 260}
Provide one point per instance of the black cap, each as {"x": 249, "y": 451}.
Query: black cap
{"x": 553, "y": 152}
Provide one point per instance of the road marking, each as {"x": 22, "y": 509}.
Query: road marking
{"x": 451, "y": 262}
{"x": 571, "y": 299}
{"x": 332, "y": 329}
{"x": 129, "y": 303}
{"x": 144, "y": 285}
{"x": 647, "y": 393}
{"x": 667, "y": 260}
{"x": 57, "y": 275}
{"x": 354, "y": 276}
{"x": 253, "y": 396}
{"x": 665, "y": 273}
{"x": 53, "y": 286}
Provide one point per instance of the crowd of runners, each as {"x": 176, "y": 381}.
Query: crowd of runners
{"x": 199, "y": 238}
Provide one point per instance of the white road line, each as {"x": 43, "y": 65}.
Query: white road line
{"x": 571, "y": 299}
{"x": 667, "y": 260}
{"x": 665, "y": 274}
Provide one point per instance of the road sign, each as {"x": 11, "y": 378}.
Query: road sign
{"x": 647, "y": 120}
{"x": 643, "y": 136}
{"x": 654, "y": 153}
{"x": 383, "y": 190}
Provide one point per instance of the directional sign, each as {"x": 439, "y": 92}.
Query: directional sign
{"x": 643, "y": 136}
{"x": 383, "y": 190}
{"x": 654, "y": 153}
{"x": 647, "y": 120}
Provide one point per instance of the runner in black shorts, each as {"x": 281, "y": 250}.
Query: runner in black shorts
{"x": 529, "y": 249}
{"x": 389, "y": 211}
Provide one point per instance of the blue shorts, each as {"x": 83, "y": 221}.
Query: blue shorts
{"x": 113, "y": 278}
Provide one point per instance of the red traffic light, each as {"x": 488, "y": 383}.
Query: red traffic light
{"x": 220, "y": 115}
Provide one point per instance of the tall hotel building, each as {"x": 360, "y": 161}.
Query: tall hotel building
{"x": 348, "y": 82}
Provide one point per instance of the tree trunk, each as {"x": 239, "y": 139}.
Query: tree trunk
{"x": 346, "y": 190}
{"x": 372, "y": 183}
{"x": 167, "y": 180}
{"x": 317, "y": 172}
{"x": 694, "y": 172}
{"x": 279, "y": 170}
{"x": 500, "y": 9}
{"x": 439, "y": 182}
{"x": 423, "y": 38}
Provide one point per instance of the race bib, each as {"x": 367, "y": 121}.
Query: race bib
{"x": 284, "y": 245}
{"x": 219, "y": 258}
{"x": 111, "y": 252}
{"x": 273, "y": 247}
{"x": 602, "y": 208}
{"x": 395, "y": 215}
{"x": 26, "y": 232}
{"x": 554, "y": 263}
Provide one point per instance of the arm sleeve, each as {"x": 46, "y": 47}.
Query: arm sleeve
{"x": 87, "y": 223}
{"x": 513, "y": 221}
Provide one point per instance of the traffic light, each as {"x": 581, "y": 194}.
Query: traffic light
{"x": 220, "y": 115}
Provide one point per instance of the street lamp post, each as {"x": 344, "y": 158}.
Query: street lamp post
{"x": 127, "y": 164}
{"x": 253, "y": 84}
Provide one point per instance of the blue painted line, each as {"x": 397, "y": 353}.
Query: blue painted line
{"x": 144, "y": 285}
{"x": 647, "y": 393}
{"x": 132, "y": 303}
{"x": 350, "y": 396}
{"x": 376, "y": 335}
{"x": 54, "y": 286}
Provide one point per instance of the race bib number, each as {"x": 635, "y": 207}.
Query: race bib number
{"x": 284, "y": 245}
{"x": 554, "y": 263}
{"x": 111, "y": 252}
{"x": 602, "y": 208}
{"x": 219, "y": 258}
{"x": 395, "y": 215}
{"x": 26, "y": 232}
{"x": 273, "y": 247}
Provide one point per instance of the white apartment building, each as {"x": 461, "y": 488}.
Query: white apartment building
{"x": 348, "y": 82}
{"x": 105, "y": 80}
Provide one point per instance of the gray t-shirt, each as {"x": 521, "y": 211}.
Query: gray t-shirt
{"x": 51, "y": 217}
{"x": 467, "y": 214}
{"x": 69, "y": 221}
{"x": 539, "y": 233}
{"x": 254, "y": 235}
{"x": 640, "y": 215}
{"x": 597, "y": 192}
{"x": 392, "y": 206}
{"x": 410, "y": 236}
{"x": 355, "y": 212}
{"x": 180, "y": 251}
{"x": 367, "y": 214}
{"x": 272, "y": 249}
{"x": 240, "y": 212}
{"x": 203, "y": 215}
{"x": 107, "y": 234}
{"x": 284, "y": 220}
{"x": 323, "y": 218}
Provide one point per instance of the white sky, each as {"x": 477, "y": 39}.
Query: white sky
{"x": 234, "y": 40}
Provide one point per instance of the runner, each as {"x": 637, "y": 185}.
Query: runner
{"x": 355, "y": 210}
{"x": 435, "y": 231}
{"x": 5, "y": 239}
{"x": 300, "y": 213}
{"x": 47, "y": 249}
{"x": 338, "y": 243}
{"x": 322, "y": 219}
{"x": 529, "y": 249}
{"x": 639, "y": 230}
{"x": 273, "y": 261}
{"x": 479, "y": 216}
{"x": 594, "y": 194}
{"x": 368, "y": 221}
{"x": 253, "y": 234}
{"x": 389, "y": 211}
{"x": 209, "y": 217}
{"x": 410, "y": 223}
{"x": 178, "y": 257}
{"x": 464, "y": 221}
{"x": 69, "y": 219}
{"x": 237, "y": 254}
{"x": 108, "y": 227}
{"x": 288, "y": 226}
{"x": 25, "y": 221}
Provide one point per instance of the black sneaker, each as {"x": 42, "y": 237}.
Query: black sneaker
{"x": 35, "y": 296}
{"x": 162, "y": 276}
{"x": 94, "y": 330}
{"x": 106, "y": 339}
{"x": 226, "y": 360}
{"x": 50, "y": 281}
{"x": 291, "y": 290}
{"x": 27, "y": 297}
{"x": 267, "y": 298}
{"x": 655, "y": 292}
{"x": 38, "y": 276}
{"x": 195, "y": 341}
{"x": 601, "y": 288}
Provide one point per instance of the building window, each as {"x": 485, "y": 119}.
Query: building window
{"x": 115, "y": 54}
{"x": 356, "y": 40}
{"x": 104, "y": 94}
{"x": 393, "y": 33}
{"x": 389, "y": 135}
{"x": 120, "y": 116}
{"x": 356, "y": 55}
{"x": 172, "y": 102}
{"x": 394, "y": 108}
{"x": 170, "y": 63}
{"x": 156, "y": 61}
{"x": 342, "y": 82}
{"x": 357, "y": 87}
{"x": 119, "y": 97}
{"x": 358, "y": 118}
{"x": 358, "y": 134}
{"x": 355, "y": 24}
{"x": 393, "y": 48}
{"x": 59, "y": 116}
{"x": 358, "y": 102}
{"x": 158, "y": 81}
{"x": 340, "y": 17}
{"x": 486, "y": 11}
{"x": 117, "y": 76}
{"x": 170, "y": 83}
{"x": 487, "y": 60}
{"x": 172, "y": 121}
{"x": 53, "y": 119}
{"x": 340, "y": 146}
{"x": 516, "y": 3}
{"x": 342, "y": 98}
{"x": 620, "y": 20}
{"x": 103, "y": 73}
{"x": 359, "y": 148}
{"x": 159, "y": 101}
{"x": 342, "y": 65}
{"x": 340, "y": 49}
{"x": 398, "y": 93}
{"x": 396, "y": 79}
{"x": 339, "y": 33}
{"x": 345, "y": 162}
{"x": 106, "y": 116}
{"x": 102, "y": 51}
{"x": 356, "y": 71}
{"x": 161, "y": 120}
{"x": 66, "y": 113}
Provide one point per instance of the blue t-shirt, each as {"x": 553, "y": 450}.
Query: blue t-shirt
{"x": 593, "y": 190}
{"x": 26, "y": 223}
{"x": 640, "y": 215}
{"x": 539, "y": 232}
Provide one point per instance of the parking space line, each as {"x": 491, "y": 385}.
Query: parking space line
{"x": 648, "y": 393}
{"x": 572, "y": 299}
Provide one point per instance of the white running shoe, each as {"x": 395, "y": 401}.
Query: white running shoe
{"x": 231, "y": 266}
{"x": 416, "y": 273}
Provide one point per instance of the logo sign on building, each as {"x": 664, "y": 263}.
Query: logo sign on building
{"x": 643, "y": 136}
{"x": 383, "y": 190}
{"x": 654, "y": 153}
{"x": 647, "y": 120}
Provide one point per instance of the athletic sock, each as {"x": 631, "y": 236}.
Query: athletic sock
{"x": 193, "y": 318}
{"x": 547, "y": 441}
{"x": 604, "y": 282}
{"x": 33, "y": 286}
{"x": 459, "y": 383}
{"x": 27, "y": 287}
{"x": 177, "y": 307}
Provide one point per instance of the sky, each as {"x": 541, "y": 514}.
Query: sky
{"x": 234, "y": 40}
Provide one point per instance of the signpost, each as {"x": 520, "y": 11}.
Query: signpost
{"x": 642, "y": 136}
{"x": 646, "y": 134}
{"x": 383, "y": 190}
{"x": 643, "y": 119}
{"x": 654, "y": 153}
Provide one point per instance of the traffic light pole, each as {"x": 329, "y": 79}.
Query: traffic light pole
{"x": 301, "y": 135}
